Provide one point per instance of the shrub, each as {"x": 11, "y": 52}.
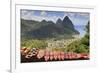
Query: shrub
{"x": 34, "y": 44}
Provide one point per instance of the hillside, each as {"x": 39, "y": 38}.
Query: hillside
{"x": 47, "y": 29}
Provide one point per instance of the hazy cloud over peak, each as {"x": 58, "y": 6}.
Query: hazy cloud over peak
{"x": 78, "y": 18}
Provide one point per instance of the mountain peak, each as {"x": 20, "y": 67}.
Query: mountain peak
{"x": 59, "y": 21}
{"x": 66, "y": 17}
{"x": 48, "y": 29}
{"x": 43, "y": 21}
{"x": 68, "y": 23}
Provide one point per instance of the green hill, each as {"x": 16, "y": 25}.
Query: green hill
{"x": 47, "y": 29}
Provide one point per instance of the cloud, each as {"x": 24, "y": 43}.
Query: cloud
{"x": 77, "y": 18}
{"x": 23, "y": 12}
{"x": 77, "y": 15}
{"x": 30, "y": 15}
{"x": 43, "y": 13}
{"x": 26, "y": 13}
{"x": 84, "y": 14}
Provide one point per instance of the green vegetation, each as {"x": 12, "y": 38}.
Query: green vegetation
{"x": 31, "y": 29}
{"x": 41, "y": 44}
{"x": 82, "y": 45}
{"x": 54, "y": 36}
{"x": 78, "y": 47}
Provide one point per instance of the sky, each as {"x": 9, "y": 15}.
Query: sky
{"x": 78, "y": 18}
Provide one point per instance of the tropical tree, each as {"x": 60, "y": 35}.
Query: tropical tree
{"x": 82, "y": 45}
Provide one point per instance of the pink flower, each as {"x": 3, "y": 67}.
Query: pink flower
{"x": 40, "y": 54}
{"x": 62, "y": 55}
{"x": 51, "y": 55}
{"x": 55, "y": 55}
{"x": 46, "y": 55}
